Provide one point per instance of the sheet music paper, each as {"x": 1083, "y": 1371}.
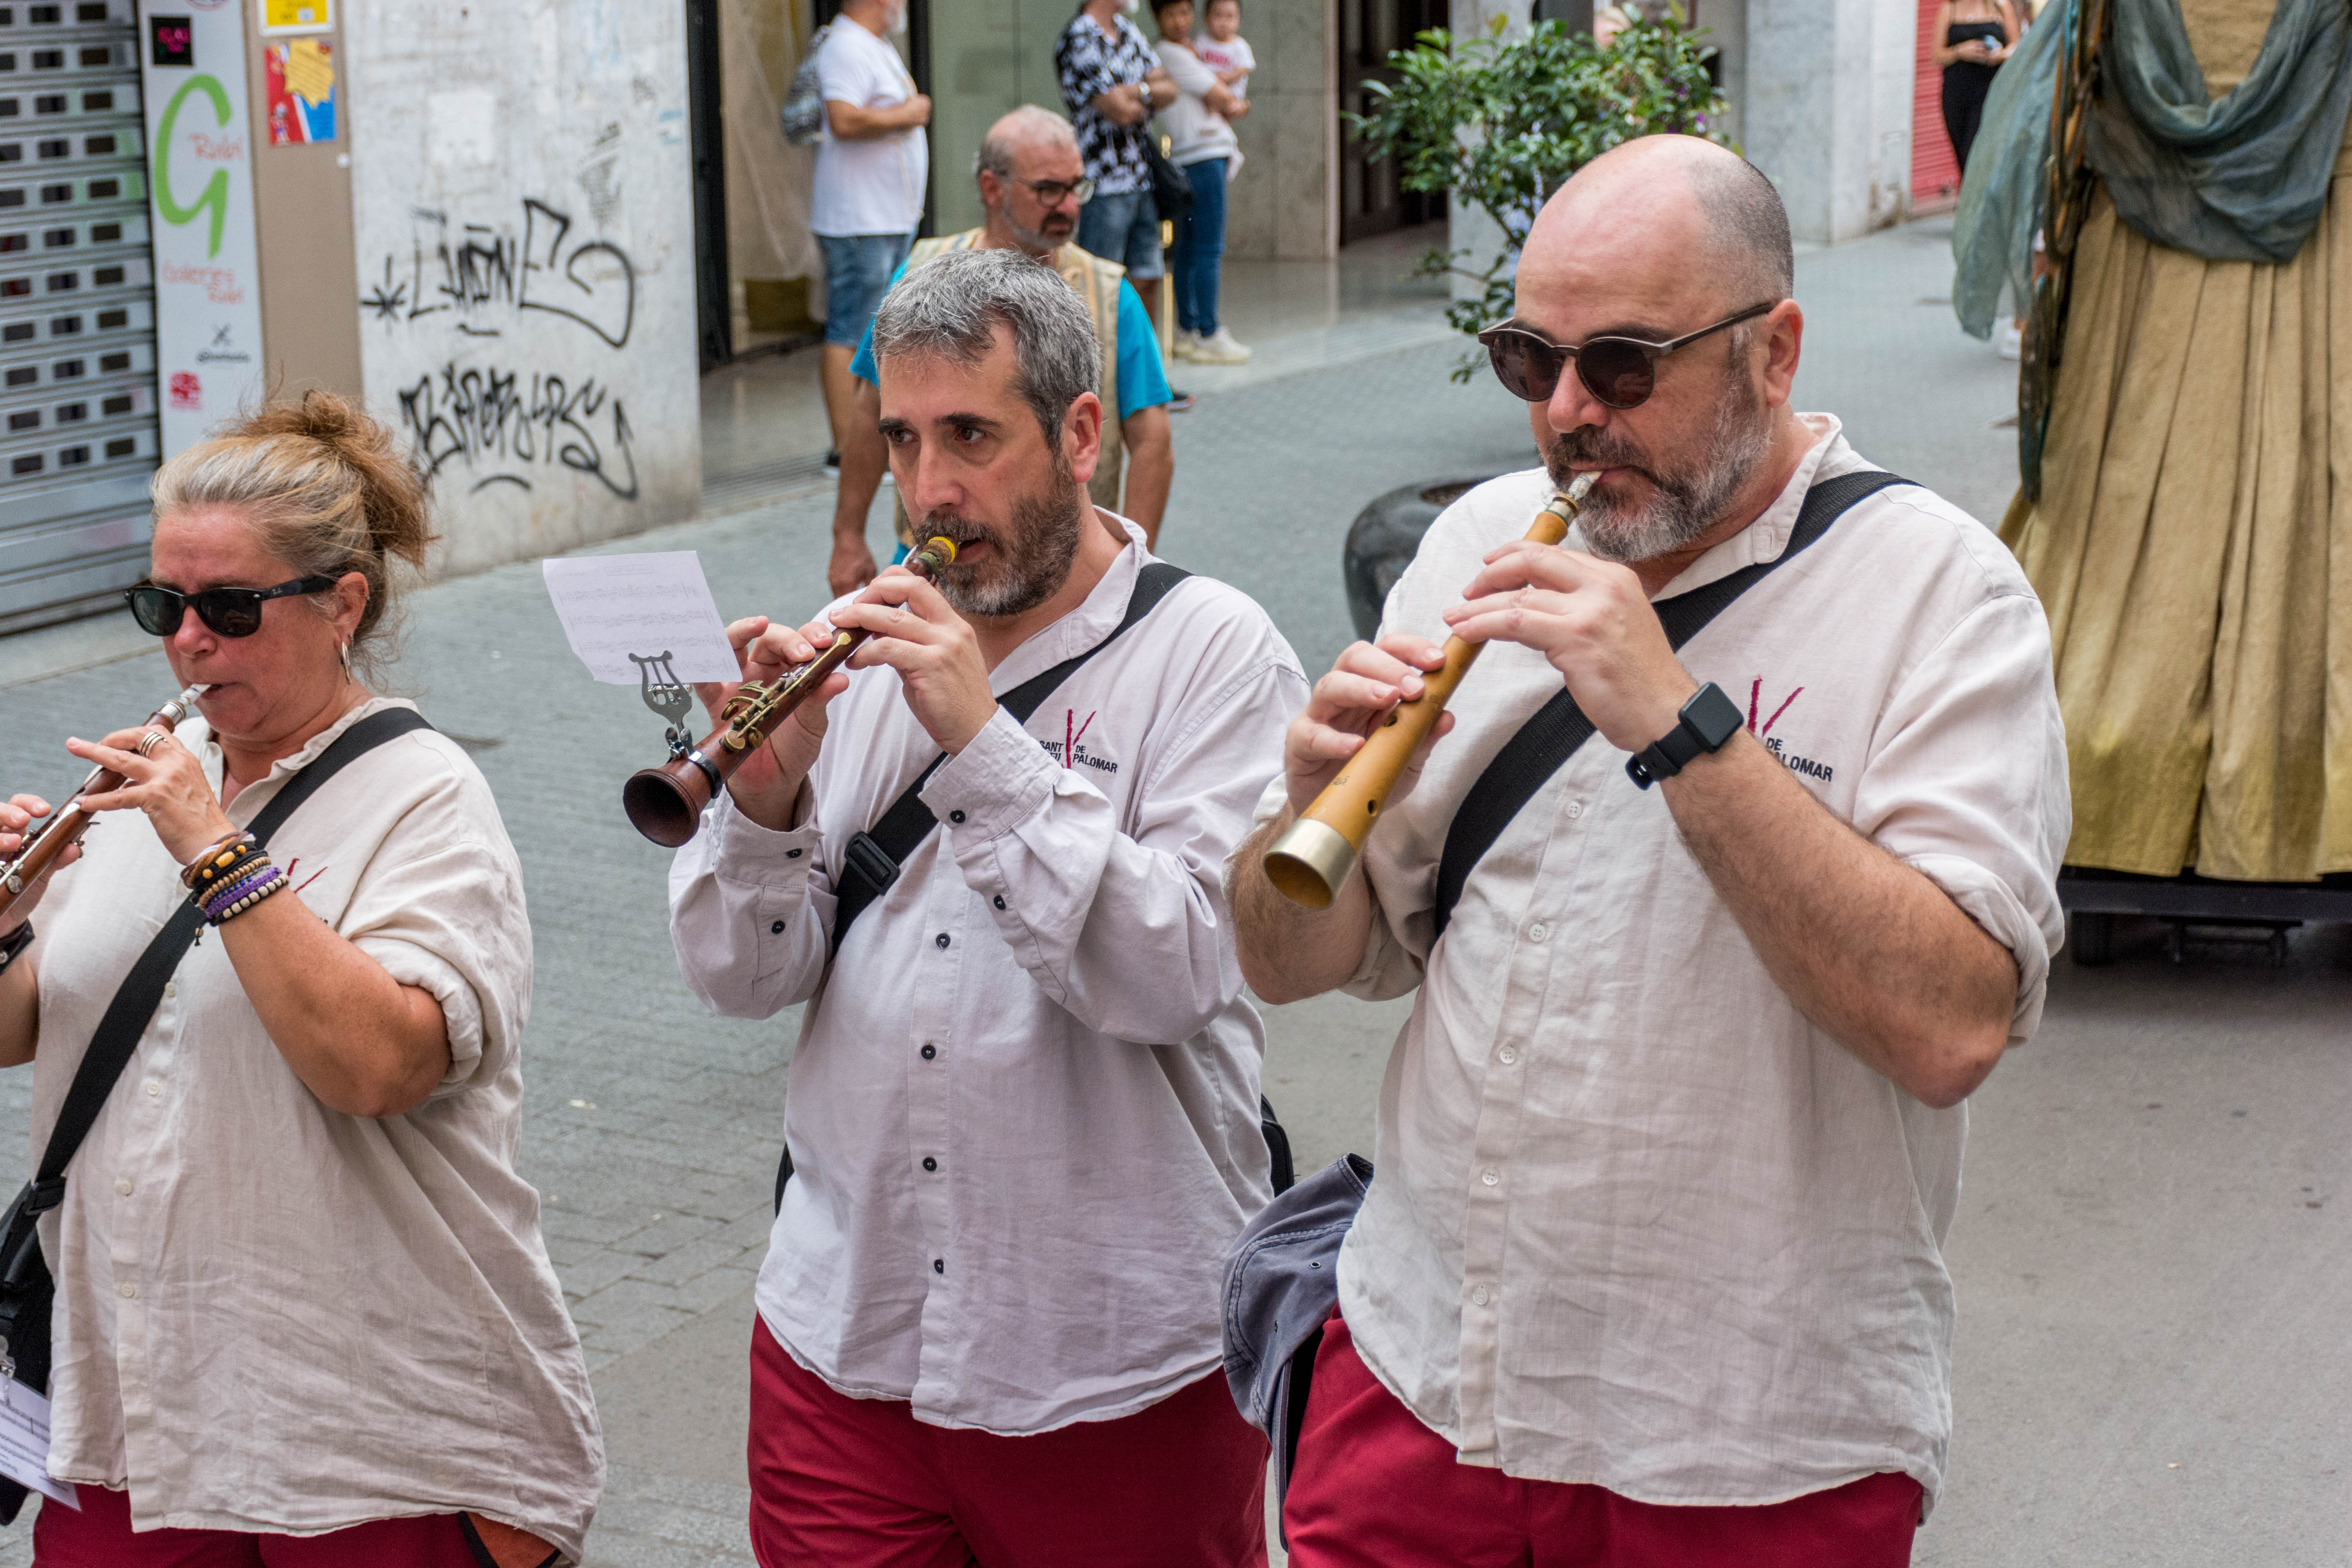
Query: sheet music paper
{"x": 24, "y": 1442}
{"x": 615, "y": 605}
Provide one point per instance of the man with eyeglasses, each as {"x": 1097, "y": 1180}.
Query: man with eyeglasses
{"x": 1032, "y": 183}
{"x": 1650, "y": 1271}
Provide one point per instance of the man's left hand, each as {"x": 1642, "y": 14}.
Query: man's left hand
{"x": 918, "y": 634}
{"x": 1591, "y": 620}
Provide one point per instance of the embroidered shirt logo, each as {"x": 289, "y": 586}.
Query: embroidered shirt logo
{"x": 1070, "y": 750}
{"x": 1772, "y": 743}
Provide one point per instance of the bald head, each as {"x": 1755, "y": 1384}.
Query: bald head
{"x": 1026, "y": 129}
{"x": 1681, "y": 196}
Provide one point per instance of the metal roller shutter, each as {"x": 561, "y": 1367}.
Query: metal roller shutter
{"x": 1935, "y": 170}
{"x": 78, "y": 431}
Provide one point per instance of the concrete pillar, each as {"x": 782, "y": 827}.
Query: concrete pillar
{"x": 1827, "y": 110}
{"x": 524, "y": 227}
{"x": 1468, "y": 229}
{"x": 1285, "y": 204}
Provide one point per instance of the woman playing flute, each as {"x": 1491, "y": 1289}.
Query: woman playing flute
{"x": 304, "y": 1315}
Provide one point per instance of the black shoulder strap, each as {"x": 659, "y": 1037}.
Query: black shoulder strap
{"x": 1529, "y": 758}
{"x": 874, "y": 856}
{"x": 126, "y": 1017}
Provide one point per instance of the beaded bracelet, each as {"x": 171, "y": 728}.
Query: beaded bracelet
{"x": 233, "y": 901}
{"x": 219, "y": 861}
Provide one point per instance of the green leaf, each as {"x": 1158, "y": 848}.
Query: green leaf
{"x": 1502, "y": 123}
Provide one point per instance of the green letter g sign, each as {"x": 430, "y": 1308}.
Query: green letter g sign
{"x": 215, "y": 193}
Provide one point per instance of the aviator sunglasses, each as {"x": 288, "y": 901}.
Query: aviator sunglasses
{"x": 1620, "y": 372}
{"x": 231, "y": 611}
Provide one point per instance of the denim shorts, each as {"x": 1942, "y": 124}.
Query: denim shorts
{"x": 1124, "y": 229}
{"x": 857, "y": 268}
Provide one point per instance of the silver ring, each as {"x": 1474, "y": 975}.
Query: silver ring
{"x": 151, "y": 739}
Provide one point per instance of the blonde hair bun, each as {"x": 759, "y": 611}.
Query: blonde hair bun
{"x": 325, "y": 486}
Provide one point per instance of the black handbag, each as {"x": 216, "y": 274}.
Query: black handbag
{"x": 27, "y": 1292}
{"x": 1171, "y": 188}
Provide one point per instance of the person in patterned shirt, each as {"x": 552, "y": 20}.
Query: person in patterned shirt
{"x": 1112, "y": 81}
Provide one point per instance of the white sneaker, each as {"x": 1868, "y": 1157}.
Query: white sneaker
{"x": 2008, "y": 339}
{"x": 1219, "y": 348}
{"x": 1187, "y": 340}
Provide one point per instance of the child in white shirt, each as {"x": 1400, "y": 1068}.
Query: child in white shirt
{"x": 1223, "y": 50}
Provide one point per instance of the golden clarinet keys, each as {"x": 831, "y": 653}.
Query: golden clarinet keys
{"x": 66, "y": 826}
{"x": 665, "y": 803}
{"x": 1310, "y": 861}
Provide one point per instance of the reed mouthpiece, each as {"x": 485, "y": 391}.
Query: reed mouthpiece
{"x": 940, "y": 545}
{"x": 1581, "y": 486}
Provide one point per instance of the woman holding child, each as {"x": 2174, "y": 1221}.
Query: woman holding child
{"x": 1212, "y": 77}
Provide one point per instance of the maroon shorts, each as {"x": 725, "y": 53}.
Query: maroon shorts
{"x": 100, "y": 1536}
{"x": 860, "y": 1483}
{"x": 1373, "y": 1488}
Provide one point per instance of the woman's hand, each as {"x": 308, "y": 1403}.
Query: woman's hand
{"x": 769, "y": 783}
{"x": 17, "y": 815}
{"x": 168, "y": 785}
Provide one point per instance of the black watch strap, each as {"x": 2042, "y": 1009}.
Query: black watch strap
{"x": 14, "y": 943}
{"x": 1707, "y": 723}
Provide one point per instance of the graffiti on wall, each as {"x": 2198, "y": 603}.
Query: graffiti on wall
{"x": 502, "y": 423}
{"x": 506, "y": 426}
{"x": 479, "y": 277}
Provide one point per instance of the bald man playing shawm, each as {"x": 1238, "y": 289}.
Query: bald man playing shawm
{"x": 1651, "y": 1273}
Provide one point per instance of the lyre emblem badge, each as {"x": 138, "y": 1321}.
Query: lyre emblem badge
{"x": 666, "y": 695}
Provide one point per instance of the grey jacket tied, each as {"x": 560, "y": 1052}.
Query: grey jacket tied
{"x": 1281, "y": 1281}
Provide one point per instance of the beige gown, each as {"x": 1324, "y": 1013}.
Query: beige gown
{"x": 2193, "y": 545}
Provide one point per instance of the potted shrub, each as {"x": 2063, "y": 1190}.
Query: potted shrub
{"x": 1500, "y": 123}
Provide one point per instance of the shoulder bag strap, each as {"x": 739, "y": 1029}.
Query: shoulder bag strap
{"x": 872, "y": 861}
{"x": 1529, "y": 758}
{"x": 875, "y": 856}
{"x": 126, "y": 1018}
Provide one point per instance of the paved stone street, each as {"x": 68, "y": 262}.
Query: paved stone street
{"x": 2147, "y": 1275}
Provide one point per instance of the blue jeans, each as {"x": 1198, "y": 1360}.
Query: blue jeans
{"x": 1198, "y": 257}
{"x": 857, "y": 268}
{"x": 1124, "y": 229}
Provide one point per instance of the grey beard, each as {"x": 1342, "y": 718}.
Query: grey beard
{"x": 1034, "y": 555}
{"x": 1686, "y": 503}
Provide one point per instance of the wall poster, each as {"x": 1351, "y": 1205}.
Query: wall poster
{"x": 208, "y": 359}
{"x": 297, "y": 16}
{"x": 301, "y": 90}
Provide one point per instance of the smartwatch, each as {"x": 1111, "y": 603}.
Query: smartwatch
{"x": 1708, "y": 721}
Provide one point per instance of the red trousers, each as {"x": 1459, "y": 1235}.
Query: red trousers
{"x": 860, "y": 1483}
{"x": 100, "y": 1536}
{"x": 1373, "y": 1488}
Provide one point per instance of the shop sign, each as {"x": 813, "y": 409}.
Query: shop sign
{"x": 200, "y": 183}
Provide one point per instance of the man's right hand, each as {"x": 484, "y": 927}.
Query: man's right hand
{"x": 917, "y": 109}
{"x": 768, "y": 786}
{"x": 1348, "y": 703}
{"x": 852, "y": 566}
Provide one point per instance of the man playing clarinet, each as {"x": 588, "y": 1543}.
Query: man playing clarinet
{"x": 1022, "y": 1115}
{"x": 1651, "y": 1270}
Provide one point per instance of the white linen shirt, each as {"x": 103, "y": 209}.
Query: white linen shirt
{"x": 1024, "y": 1109}
{"x": 1638, "y": 1222}
{"x": 272, "y": 1316}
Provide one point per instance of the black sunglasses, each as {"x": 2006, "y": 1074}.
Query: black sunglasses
{"x": 1620, "y": 372}
{"x": 232, "y": 612}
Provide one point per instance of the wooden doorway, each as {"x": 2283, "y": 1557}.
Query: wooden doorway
{"x": 1369, "y": 200}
